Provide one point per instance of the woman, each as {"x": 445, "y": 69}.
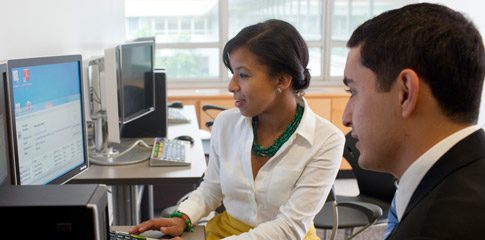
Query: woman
{"x": 272, "y": 161}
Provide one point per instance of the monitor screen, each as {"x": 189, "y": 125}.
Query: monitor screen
{"x": 45, "y": 102}
{"x": 136, "y": 84}
{"x": 4, "y": 139}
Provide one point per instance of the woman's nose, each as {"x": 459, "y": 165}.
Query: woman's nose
{"x": 232, "y": 86}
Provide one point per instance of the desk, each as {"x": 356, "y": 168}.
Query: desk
{"x": 124, "y": 179}
{"x": 197, "y": 234}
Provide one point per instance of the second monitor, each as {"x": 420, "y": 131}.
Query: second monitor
{"x": 132, "y": 104}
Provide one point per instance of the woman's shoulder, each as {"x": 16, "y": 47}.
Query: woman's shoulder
{"x": 228, "y": 116}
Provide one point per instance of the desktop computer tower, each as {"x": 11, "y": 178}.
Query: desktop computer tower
{"x": 155, "y": 123}
{"x": 78, "y": 212}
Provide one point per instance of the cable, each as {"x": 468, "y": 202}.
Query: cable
{"x": 112, "y": 158}
{"x": 133, "y": 146}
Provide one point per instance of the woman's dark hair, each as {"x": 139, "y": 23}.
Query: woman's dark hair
{"x": 443, "y": 47}
{"x": 278, "y": 45}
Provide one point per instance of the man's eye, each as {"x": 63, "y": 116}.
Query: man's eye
{"x": 351, "y": 91}
{"x": 242, "y": 75}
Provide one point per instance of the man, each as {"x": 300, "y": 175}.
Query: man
{"x": 415, "y": 76}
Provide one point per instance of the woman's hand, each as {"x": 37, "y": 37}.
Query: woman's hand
{"x": 171, "y": 226}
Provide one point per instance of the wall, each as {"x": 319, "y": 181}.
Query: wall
{"x": 55, "y": 27}
{"x": 474, "y": 10}
{"x": 33, "y": 28}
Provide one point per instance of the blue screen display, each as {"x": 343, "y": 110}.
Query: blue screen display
{"x": 49, "y": 128}
{"x": 39, "y": 87}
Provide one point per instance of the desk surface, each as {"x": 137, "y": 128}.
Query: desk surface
{"x": 142, "y": 173}
{"x": 197, "y": 234}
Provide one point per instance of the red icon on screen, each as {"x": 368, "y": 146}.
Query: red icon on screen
{"x": 26, "y": 74}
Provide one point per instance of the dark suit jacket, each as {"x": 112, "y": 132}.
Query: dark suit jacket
{"x": 449, "y": 202}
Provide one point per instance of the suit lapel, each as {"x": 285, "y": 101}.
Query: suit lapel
{"x": 463, "y": 153}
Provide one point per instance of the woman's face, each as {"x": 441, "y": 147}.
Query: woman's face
{"x": 253, "y": 89}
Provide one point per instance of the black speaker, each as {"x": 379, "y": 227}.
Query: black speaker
{"x": 153, "y": 124}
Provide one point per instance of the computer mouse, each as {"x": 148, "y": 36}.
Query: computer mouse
{"x": 176, "y": 104}
{"x": 186, "y": 138}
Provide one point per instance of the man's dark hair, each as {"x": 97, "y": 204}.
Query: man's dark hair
{"x": 278, "y": 45}
{"x": 439, "y": 44}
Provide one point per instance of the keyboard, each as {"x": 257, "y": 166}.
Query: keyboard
{"x": 170, "y": 152}
{"x": 116, "y": 235}
{"x": 174, "y": 115}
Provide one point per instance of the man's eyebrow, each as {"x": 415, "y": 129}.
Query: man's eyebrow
{"x": 347, "y": 81}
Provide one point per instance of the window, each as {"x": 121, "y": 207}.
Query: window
{"x": 190, "y": 34}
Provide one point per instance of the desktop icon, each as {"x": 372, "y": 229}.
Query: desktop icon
{"x": 15, "y": 75}
{"x": 26, "y": 73}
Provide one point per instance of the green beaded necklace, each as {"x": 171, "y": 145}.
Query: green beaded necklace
{"x": 270, "y": 151}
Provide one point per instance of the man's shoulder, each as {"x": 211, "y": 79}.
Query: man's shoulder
{"x": 457, "y": 202}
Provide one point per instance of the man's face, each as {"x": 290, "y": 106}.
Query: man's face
{"x": 373, "y": 115}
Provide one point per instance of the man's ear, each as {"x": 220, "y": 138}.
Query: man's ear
{"x": 284, "y": 81}
{"x": 409, "y": 91}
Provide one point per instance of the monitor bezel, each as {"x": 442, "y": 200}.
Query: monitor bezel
{"x": 38, "y": 61}
{"x": 121, "y": 102}
{"x": 5, "y": 117}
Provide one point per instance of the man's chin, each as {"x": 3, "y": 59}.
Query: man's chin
{"x": 366, "y": 164}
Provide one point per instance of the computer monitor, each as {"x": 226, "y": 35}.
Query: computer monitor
{"x": 153, "y": 124}
{"x": 136, "y": 85}
{"x": 127, "y": 91}
{"x": 46, "y": 119}
{"x": 4, "y": 137}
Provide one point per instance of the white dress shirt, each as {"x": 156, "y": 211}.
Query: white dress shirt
{"x": 288, "y": 191}
{"x": 415, "y": 173}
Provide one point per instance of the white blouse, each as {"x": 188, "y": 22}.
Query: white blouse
{"x": 289, "y": 190}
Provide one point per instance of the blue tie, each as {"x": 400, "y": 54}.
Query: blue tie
{"x": 391, "y": 219}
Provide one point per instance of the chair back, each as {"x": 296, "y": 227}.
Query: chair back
{"x": 327, "y": 218}
{"x": 374, "y": 184}
{"x": 211, "y": 111}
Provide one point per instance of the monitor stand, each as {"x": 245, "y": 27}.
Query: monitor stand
{"x": 122, "y": 153}
{"x": 111, "y": 156}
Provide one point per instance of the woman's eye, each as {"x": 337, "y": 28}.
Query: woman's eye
{"x": 243, "y": 75}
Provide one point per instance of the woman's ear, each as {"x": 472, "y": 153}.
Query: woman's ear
{"x": 409, "y": 91}
{"x": 284, "y": 81}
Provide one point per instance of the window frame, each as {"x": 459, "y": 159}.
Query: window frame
{"x": 325, "y": 44}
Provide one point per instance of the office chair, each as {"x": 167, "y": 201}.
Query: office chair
{"x": 374, "y": 187}
{"x": 209, "y": 110}
{"x": 346, "y": 214}
{"x": 330, "y": 206}
{"x": 376, "y": 191}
